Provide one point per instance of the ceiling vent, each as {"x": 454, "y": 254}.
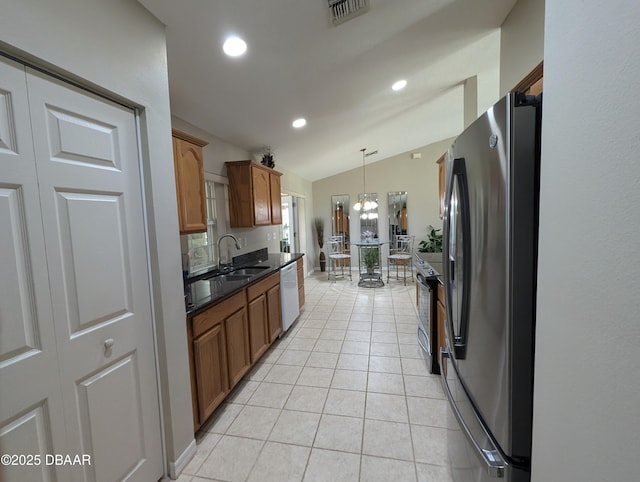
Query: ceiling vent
{"x": 342, "y": 10}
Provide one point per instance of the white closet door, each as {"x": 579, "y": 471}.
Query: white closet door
{"x": 77, "y": 362}
{"x": 92, "y": 210}
{"x": 31, "y": 413}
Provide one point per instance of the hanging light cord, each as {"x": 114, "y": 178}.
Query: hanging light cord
{"x": 364, "y": 177}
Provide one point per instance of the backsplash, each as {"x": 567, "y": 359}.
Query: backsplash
{"x": 250, "y": 239}
{"x": 252, "y": 257}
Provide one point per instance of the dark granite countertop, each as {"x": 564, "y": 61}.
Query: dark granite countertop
{"x": 202, "y": 293}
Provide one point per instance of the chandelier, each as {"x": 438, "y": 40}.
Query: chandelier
{"x": 364, "y": 203}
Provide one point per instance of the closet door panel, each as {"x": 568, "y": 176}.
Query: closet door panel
{"x": 28, "y": 434}
{"x": 31, "y": 412}
{"x": 87, "y": 162}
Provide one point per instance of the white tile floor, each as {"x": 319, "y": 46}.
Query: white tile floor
{"x": 343, "y": 396}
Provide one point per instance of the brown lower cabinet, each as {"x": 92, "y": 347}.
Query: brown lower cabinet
{"x": 210, "y": 359}
{"x": 238, "y": 359}
{"x": 258, "y": 333}
{"x": 228, "y": 338}
{"x": 220, "y": 356}
{"x": 274, "y": 310}
{"x": 265, "y": 320}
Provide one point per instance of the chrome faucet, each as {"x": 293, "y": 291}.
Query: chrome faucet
{"x": 219, "y": 254}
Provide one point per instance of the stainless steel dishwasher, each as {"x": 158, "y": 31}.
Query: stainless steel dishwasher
{"x": 289, "y": 295}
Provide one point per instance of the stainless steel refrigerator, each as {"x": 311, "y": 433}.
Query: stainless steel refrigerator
{"x": 490, "y": 253}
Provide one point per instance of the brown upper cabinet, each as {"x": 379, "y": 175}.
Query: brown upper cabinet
{"x": 532, "y": 83}
{"x": 189, "y": 169}
{"x": 254, "y": 195}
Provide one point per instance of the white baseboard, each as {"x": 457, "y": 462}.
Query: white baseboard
{"x": 176, "y": 468}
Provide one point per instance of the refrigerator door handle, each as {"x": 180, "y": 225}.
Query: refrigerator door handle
{"x": 492, "y": 459}
{"x": 454, "y": 242}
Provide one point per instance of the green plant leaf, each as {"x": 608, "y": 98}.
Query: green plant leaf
{"x": 433, "y": 243}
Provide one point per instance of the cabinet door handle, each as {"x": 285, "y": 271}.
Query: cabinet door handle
{"x": 108, "y": 344}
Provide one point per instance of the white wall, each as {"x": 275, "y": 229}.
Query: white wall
{"x": 419, "y": 177}
{"x": 119, "y": 48}
{"x": 587, "y": 380}
{"x": 521, "y": 43}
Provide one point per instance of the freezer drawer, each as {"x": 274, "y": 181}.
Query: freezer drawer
{"x": 474, "y": 456}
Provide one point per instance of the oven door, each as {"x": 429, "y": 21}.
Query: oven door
{"x": 425, "y": 305}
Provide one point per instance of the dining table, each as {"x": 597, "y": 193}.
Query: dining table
{"x": 370, "y": 262}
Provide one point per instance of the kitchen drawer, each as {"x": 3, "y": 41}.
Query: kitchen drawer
{"x": 262, "y": 286}
{"x": 209, "y": 318}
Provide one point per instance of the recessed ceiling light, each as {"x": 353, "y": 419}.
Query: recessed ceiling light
{"x": 234, "y": 46}
{"x": 399, "y": 85}
{"x": 298, "y": 123}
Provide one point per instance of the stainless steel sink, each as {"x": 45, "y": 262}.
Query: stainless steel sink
{"x": 232, "y": 277}
{"x": 250, "y": 271}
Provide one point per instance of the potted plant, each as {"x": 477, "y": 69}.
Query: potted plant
{"x": 432, "y": 248}
{"x": 433, "y": 243}
{"x": 370, "y": 259}
{"x": 318, "y": 224}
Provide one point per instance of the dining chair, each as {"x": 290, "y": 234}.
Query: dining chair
{"x": 338, "y": 258}
{"x": 401, "y": 254}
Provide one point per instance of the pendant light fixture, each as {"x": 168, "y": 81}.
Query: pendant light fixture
{"x": 364, "y": 203}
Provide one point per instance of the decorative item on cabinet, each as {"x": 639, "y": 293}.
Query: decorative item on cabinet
{"x": 267, "y": 158}
{"x": 189, "y": 173}
{"x": 254, "y": 195}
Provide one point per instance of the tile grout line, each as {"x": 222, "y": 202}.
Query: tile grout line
{"x": 391, "y": 318}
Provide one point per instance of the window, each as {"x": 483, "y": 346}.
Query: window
{"x": 201, "y": 247}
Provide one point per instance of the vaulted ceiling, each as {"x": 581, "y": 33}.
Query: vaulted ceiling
{"x": 337, "y": 77}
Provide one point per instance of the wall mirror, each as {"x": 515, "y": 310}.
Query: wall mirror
{"x": 397, "y": 202}
{"x": 340, "y": 217}
{"x": 369, "y": 214}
